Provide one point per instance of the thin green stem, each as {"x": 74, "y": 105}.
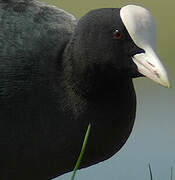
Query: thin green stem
{"x": 150, "y": 171}
{"x": 171, "y": 177}
{"x": 82, "y": 152}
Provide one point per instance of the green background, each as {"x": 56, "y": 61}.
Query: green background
{"x": 153, "y": 137}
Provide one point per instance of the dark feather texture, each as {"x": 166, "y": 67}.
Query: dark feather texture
{"x": 56, "y": 76}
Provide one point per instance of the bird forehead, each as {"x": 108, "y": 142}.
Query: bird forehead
{"x": 137, "y": 15}
{"x": 139, "y": 24}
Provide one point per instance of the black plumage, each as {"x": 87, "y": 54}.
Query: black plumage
{"x": 57, "y": 75}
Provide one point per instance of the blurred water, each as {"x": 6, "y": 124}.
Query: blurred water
{"x": 153, "y": 137}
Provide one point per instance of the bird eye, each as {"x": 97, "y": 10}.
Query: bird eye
{"x": 116, "y": 34}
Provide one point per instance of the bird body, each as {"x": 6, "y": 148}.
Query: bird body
{"x": 57, "y": 75}
{"x": 32, "y": 38}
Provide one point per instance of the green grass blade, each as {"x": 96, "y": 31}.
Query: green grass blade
{"x": 82, "y": 152}
{"x": 171, "y": 177}
{"x": 150, "y": 172}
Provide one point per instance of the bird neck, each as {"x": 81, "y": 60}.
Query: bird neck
{"x": 89, "y": 79}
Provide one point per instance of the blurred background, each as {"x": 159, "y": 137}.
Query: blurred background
{"x": 153, "y": 137}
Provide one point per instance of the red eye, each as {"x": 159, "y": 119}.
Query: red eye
{"x": 117, "y": 34}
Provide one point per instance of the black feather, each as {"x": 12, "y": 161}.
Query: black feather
{"x": 56, "y": 76}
